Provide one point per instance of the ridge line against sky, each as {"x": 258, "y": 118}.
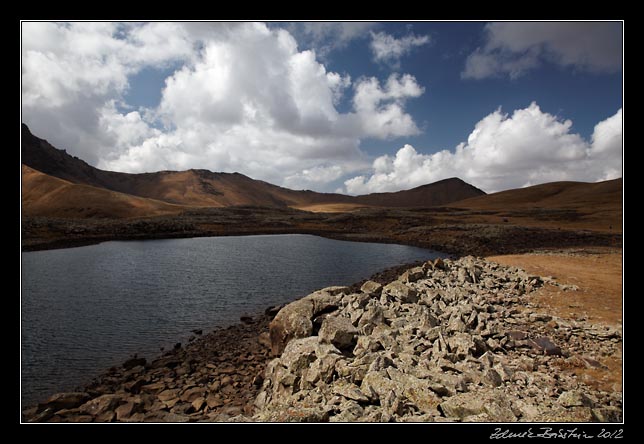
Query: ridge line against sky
{"x": 352, "y": 107}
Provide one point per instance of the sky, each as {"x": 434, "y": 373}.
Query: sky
{"x": 350, "y": 107}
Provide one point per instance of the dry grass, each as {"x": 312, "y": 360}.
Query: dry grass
{"x": 598, "y": 274}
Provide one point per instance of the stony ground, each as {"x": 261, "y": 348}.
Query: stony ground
{"x": 452, "y": 340}
{"x": 448, "y": 341}
{"x": 453, "y": 231}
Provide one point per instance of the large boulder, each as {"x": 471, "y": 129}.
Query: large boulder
{"x": 300, "y": 353}
{"x": 295, "y": 320}
{"x": 407, "y": 389}
{"x": 494, "y": 406}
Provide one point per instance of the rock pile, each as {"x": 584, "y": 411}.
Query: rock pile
{"x": 446, "y": 341}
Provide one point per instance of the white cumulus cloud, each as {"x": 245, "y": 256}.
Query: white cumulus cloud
{"x": 505, "y": 151}
{"x": 389, "y": 49}
{"x": 242, "y": 97}
{"x": 513, "y": 48}
{"x": 380, "y": 110}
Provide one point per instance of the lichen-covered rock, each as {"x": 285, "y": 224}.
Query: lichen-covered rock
{"x": 295, "y": 320}
{"x": 300, "y": 353}
{"x": 338, "y": 331}
{"x": 400, "y": 292}
{"x": 371, "y": 287}
{"x": 575, "y": 398}
{"x": 494, "y": 404}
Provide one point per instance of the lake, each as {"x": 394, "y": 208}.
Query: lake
{"x": 86, "y": 309}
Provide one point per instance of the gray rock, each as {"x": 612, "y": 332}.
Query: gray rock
{"x": 295, "y": 320}
{"x": 401, "y": 292}
{"x": 461, "y": 344}
{"x": 348, "y": 412}
{"x": 371, "y": 287}
{"x": 338, "y": 331}
{"x": 495, "y": 405}
{"x": 287, "y": 413}
{"x": 371, "y": 318}
{"x": 574, "y": 398}
{"x": 322, "y": 369}
{"x": 173, "y": 417}
{"x": 463, "y": 405}
{"x": 300, "y": 353}
{"x": 349, "y": 391}
{"x": 463, "y": 276}
{"x": 412, "y": 275}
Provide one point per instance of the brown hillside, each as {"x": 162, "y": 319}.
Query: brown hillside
{"x": 204, "y": 188}
{"x": 44, "y": 195}
{"x": 608, "y": 194}
{"x": 581, "y": 205}
{"x": 433, "y": 194}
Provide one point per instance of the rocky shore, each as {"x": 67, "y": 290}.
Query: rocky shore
{"x": 452, "y": 231}
{"x": 443, "y": 341}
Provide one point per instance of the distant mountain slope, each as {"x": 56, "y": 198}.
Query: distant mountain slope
{"x": 433, "y": 194}
{"x": 45, "y": 195}
{"x": 562, "y": 195}
{"x": 202, "y": 188}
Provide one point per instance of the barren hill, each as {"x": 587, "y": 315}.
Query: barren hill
{"x": 44, "y": 195}
{"x": 581, "y": 205}
{"x": 202, "y": 188}
{"x": 608, "y": 194}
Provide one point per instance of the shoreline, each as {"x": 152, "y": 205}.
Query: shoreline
{"x": 243, "y": 345}
{"x": 515, "y": 241}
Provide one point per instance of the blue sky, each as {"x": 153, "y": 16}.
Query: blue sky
{"x": 349, "y": 107}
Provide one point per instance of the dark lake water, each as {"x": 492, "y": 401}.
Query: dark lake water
{"x": 86, "y": 309}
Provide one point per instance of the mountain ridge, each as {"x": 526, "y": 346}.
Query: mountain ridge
{"x": 204, "y": 188}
